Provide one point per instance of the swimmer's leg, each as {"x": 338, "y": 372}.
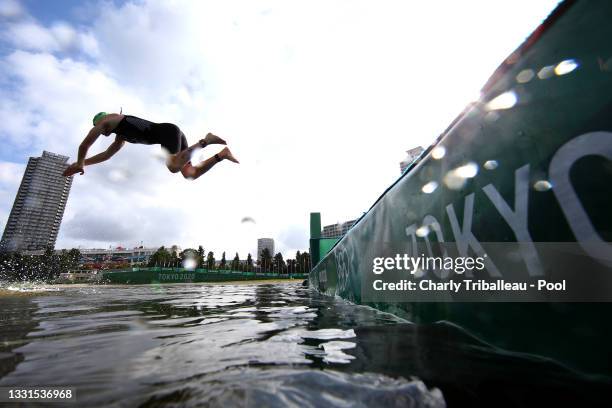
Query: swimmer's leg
{"x": 177, "y": 161}
{"x": 193, "y": 172}
{"x": 211, "y": 139}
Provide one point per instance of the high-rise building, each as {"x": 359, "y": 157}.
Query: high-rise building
{"x": 411, "y": 155}
{"x": 265, "y": 243}
{"x": 38, "y": 209}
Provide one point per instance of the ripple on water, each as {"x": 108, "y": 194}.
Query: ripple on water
{"x": 278, "y": 387}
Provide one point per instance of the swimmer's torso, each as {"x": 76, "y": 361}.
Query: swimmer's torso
{"x": 136, "y": 130}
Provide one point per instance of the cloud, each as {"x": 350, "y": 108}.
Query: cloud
{"x": 159, "y": 36}
{"x": 293, "y": 238}
{"x": 123, "y": 224}
{"x": 10, "y": 177}
{"x": 10, "y": 9}
{"x": 53, "y": 93}
{"x": 99, "y": 227}
{"x": 10, "y": 173}
{"x": 60, "y": 37}
{"x": 31, "y": 36}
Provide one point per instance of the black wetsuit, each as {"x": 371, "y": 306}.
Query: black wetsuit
{"x": 136, "y": 130}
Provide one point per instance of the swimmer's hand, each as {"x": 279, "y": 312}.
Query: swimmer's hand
{"x": 73, "y": 169}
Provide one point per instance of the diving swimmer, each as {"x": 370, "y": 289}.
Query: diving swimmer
{"x": 132, "y": 129}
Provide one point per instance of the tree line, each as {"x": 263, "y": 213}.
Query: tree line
{"x": 15, "y": 266}
{"x": 200, "y": 259}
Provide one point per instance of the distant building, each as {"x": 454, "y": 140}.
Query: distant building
{"x": 411, "y": 155}
{"x": 105, "y": 256}
{"x": 132, "y": 255}
{"x": 38, "y": 209}
{"x": 265, "y": 243}
{"x": 337, "y": 230}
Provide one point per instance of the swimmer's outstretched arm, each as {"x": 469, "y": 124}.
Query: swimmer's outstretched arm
{"x": 89, "y": 140}
{"x": 107, "y": 154}
{"x": 81, "y": 162}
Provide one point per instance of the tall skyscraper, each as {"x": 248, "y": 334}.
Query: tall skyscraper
{"x": 39, "y": 205}
{"x": 265, "y": 243}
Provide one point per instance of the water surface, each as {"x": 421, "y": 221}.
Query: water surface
{"x": 262, "y": 345}
{"x": 197, "y": 345}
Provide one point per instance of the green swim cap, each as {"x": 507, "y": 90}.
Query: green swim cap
{"x": 98, "y": 117}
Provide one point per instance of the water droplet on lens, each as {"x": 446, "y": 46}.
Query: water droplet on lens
{"x": 491, "y": 164}
{"x": 542, "y": 185}
{"x": 438, "y": 152}
{"x": 565, "y": 67}
{"x": 429, "y": 187}
{"x": 189, "y": 263}
{"x": 525, "y": 76}
{"x": 504, "y": 101}
{"x": 546, "y": 72}
{"x": 422, "y": 231}
{"x": 456, "y": 178}
{"x": 491, "y": 117}
{"x": 467, "y": 170}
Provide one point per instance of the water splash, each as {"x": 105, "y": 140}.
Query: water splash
{"x": 28, "y": 287}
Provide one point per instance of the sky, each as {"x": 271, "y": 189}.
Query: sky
{"x": 319, "y": 101}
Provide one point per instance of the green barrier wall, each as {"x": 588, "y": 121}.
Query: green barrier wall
{"x": 179, "y": 275}
{"x": 539, "y": 169}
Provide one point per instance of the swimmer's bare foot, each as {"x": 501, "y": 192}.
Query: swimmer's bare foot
{"x": 211, "y": 139}
{"x": 227, "y": 154}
